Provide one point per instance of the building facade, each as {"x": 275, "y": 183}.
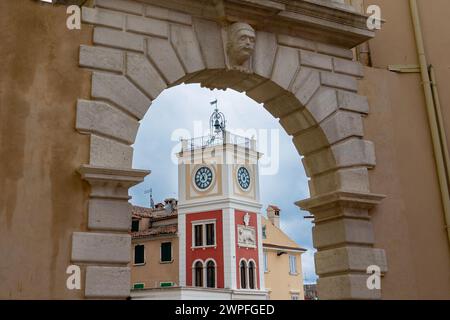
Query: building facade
{"x": 283, "y": 271}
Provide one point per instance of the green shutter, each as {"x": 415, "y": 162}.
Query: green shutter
{"x": 166, "y": 252}
{"x": 166, "y": 284}
{"x": 138, "y": 286}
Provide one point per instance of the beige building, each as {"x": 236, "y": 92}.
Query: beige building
{"x": 154, "y": 246}
{"x": 71, "y": 102}
{"x": 283, "y": 271}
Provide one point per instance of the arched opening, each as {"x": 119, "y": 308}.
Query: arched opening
{"x": 243, "y": 274}
{"x": 311, "y": 91}
{"x": 251, "y": 275}
{"x": 211, "y": 274}
{"x": 198, "y": 274}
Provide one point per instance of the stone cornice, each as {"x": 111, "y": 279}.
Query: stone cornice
{"x": 341, "y": 198}
{"x": 122, "y": 177}
{"x": 316, "y": 20}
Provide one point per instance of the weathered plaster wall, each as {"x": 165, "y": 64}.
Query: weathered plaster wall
{"x": 411, "y": 226}
{"x": 42, "y": 200}
{"x": 409, "y": 223}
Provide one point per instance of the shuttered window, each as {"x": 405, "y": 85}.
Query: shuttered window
{"x": 139, "y": 254}
{"x": 166, "y": 252}
{"x": 135, "y": 226}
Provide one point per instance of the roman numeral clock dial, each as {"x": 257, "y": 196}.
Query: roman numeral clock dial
{"x": 203, "y": 178}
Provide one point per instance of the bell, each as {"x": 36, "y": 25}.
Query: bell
{"x": 217, "y": 126}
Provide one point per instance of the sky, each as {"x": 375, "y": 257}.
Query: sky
{"x": 183, "y": 112}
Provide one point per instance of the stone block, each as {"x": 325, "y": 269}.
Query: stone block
{"x": 354, "y": 152}
{"x": 107, "y": 214}
{"x": 286, "y": 65}
{"x": 352, "y": 68}
{"x": 266, "y": 91}
{"x": 349, "y": 259}
{"x": 318, "y": 162}
{"x": 148, "y": 26}
{"x": 322, "y": 104}
{"x": 122, "y": 92}
{"x": 118, "y": 39}
{"x": 352, "y": 179}
{"x": 169, "y": 15}
{"x": 107, "y": 282}
{"x": 315, "y": 60}
{"x": 101, "y": 58}
{"x": 165, "y": 59}
{"x": 334, "y": 51}
{"x": 283, "y": 105}
{"x": 342, "y": 125}
{"x": 346, "y": 287}
{"x": 110, "y": 153}
{"x": 122, "y": 5}
{"x": 101, "y": 118}
{"x": 264, "y": 55}
{"x": 342, "y": 231}
{"x": 144, "y": 75}
{"x": 306, "y": 84}
{"x": 185, "y": 43}
{"x": 353, "y": 102}
{"x": 310, "y": 141}
{"x": 104, "y": 18}
{"x": 209, "y": 36}
{"x": 110, "y": 248}
{"x": 296, "y": 42}
{"x": 339, "y": 81}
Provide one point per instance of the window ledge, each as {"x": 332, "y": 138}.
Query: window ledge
{"x": 205, "y": 247}
{"x": 166, "y": 262}
{"x": 139, "y": 264}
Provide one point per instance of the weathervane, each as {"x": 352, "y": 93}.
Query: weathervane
{"x": 217, "y": 121}
{"x": 152, "y": 203}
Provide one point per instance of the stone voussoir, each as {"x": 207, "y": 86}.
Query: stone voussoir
{"x": 101, "y": 58}
{"x": 102, "y": 17}
{"x": 119, "y": 90}
{"x": 118, "y": 39}
{"x": 101, "y": 118}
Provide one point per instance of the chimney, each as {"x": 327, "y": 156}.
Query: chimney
{"x": 273, "y": 213}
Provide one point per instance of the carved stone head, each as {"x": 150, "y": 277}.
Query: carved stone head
{"x": 240, "y": 45}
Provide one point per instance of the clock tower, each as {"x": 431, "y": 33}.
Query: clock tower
{"x": 219, "y": 211}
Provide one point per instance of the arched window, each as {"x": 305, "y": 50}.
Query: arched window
{"x": 251, "y": 275}
{"x": 198, "y": 274}
{"x": 211, "y": 274}
{"x": 243, "y": 273}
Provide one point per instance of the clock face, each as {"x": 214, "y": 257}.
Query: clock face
{"x": 203, "y": 178}
{"x": 243, "y": 177}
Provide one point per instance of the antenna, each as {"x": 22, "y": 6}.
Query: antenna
{"x": 152, "y": 203}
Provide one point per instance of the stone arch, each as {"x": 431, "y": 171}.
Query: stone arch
{"x": 140, "y": 50}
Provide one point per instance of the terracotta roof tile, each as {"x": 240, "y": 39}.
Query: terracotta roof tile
{"x": 171, "y": 229}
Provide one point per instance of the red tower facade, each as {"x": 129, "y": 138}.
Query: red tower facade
{"x": 219, "y": 214}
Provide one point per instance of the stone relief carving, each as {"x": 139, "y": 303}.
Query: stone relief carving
{"x": 246, "y": 236}
{"x": 240, "y": 46}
